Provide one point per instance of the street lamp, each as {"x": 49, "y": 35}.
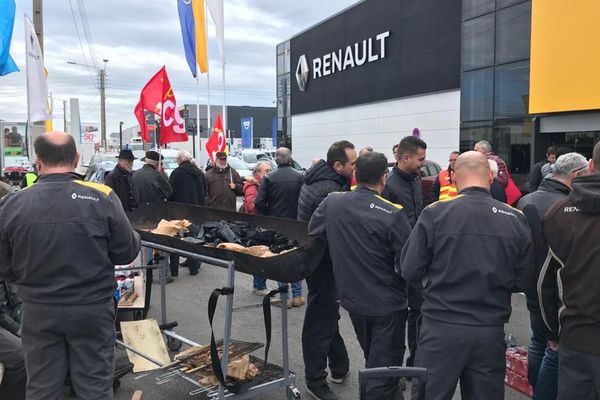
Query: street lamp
{"x": 102, "y": 76}
{"x": 121, "y": 135}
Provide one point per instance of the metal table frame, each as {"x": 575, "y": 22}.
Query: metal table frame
{"x": 287, "y": 381}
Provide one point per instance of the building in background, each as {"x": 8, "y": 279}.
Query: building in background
{"x": 372, "y": 74}
{"x": 263, "y": 120}
{"x": 459, "y": 71}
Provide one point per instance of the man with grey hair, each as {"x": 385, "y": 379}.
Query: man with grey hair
{"x": 278, "y": 197}
{"x": 568, "y": 282}
{"x": 485, "y": 148}
{"x": 188, "y": 183}
{"x": 542, "y": 359}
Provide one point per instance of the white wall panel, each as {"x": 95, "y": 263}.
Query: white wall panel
{"x": 381, "y": 125}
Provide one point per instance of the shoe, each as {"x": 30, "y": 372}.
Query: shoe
{"x": 175, "y": 274}
{"x": 298, "y": 301}
{"x": 321, "y": 392}
{"x": 169, "y": 280}
{"x": 194, "y": 271}
{"x": 340, "y": 379}
{"x": 186, "y": 263}
{"x": 261, "y": 292}
{"x": 277, "y": 303}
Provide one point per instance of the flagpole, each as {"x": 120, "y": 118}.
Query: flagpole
{"x": 197, "y": 115}
{"x": 225, "y": 128}
{"x": 207, "y": 77}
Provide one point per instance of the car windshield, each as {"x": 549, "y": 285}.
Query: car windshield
{"x": 237, "y": 164}
{"x": 170, "y": 163}
{"x": 253, "y": 157}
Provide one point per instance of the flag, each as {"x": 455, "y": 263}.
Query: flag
{"x": 158, "y": 98}
{"x": 216, "y": 11}
{"x": 7, "y": 22}
{"x": 37, "y": 88}
{"x": 217, "y": 141}
{"x": 193, "y": 32}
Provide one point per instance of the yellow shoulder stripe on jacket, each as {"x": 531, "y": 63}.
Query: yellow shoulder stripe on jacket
{"x": 97, "y": 186}
{"x": 398, "y": 206}
{"x": 514, "y": 209}
{"x": 445, "y": 200}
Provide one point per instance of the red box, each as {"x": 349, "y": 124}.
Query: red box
{"x": 516, "y": 370}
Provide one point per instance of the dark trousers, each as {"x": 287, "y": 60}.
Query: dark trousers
{"x": 382, "y": 342}
{"x": 194, "y": 265}
{"x": 13, "y": 360}
{"x": 79, "y": 338}
{"x": 475, "y": 355}
{"x": 542, "y": 362}
{"x": 321, "y": 339}
{"x": 413, "y": 323}
{"x": 578, "y": 375}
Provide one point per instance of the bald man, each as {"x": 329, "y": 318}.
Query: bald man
{"x": 59, "y": 242}
{"x": 468, "y": 253}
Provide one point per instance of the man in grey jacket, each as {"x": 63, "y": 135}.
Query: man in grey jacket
{"x": 148, "y": 184}
{"x": 468, "y": 272}
{"x": 67, "y": 283}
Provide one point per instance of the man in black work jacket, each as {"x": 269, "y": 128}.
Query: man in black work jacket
{"x": 568, "y": 284}
{"x": 404, "y": 187}
{"x": 365, "y": 234}
{"x": 468, "y": 254}
{"x": 189, "y": 187}
{"x": 67, "y": 283}
{"x": 322, "y": 343}
{"x": 542, "y": 365}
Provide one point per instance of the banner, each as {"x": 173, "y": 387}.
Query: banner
{"x": 158, "y": 98}
{"x": 37, "y": 89}
{"x": 7, "y": 22}
{"x": 247, "y": 132}
{"x": 193, "y": 33}
{"x": 217, "y": 141}
{"x": 90, "y": 134}
{"x": 216, "y": 11}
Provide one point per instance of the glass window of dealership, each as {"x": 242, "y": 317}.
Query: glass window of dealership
{"x": 495, "y": 76}
{"x": 495, "y": 79}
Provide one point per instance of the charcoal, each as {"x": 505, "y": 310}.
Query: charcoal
{"x": 194, "y": 240}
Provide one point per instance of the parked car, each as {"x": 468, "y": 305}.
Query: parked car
{"x": 252, "y": 156}
{"x": 102, "y": 163}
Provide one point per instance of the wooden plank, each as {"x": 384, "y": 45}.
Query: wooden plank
{"x": 145, "y": 337}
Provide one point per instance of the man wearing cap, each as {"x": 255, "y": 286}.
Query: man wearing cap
{"x": 148, "y": 184}
{"x": 119, "y": 179}
{"x": 223, "y": 184}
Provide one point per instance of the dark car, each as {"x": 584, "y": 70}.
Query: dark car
{"x": 102, "y": 164}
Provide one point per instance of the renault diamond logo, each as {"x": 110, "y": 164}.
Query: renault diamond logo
{"x": 246, "y": 124}
{"x": 302, "y": 73}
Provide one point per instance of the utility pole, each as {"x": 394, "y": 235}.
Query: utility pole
{"x": 38, "y": 21}
{"x": 102, "y": 73}
{"x": 121, "y": 135}
{"x": 64, "y": 115}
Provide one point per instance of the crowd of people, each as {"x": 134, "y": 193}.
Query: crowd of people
{"x": 436, "y": 278}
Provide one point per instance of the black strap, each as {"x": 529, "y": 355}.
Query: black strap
{"x": 234, "y": 386}
{"x": 215, "y": 361}
{"x": 267, "y": 316}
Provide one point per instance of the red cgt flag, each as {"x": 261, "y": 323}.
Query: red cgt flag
{"x": 217, "y": 140}
{"x": 158, "y": 98}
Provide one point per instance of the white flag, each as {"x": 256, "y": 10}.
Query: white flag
{"x": 216, "y": 11}
{"x": 37, "y": 88}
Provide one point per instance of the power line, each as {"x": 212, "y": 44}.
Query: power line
{"x": 87, "y": 33}
{"x": 79, "y": 38}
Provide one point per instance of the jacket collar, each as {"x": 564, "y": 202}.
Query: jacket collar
{"x": 364, "y": 189}
{"x": 66, "y": 177}
{"x": 149, "y": 167}
{"x": 554, "y": 186}
{"x": 476, "y": 191}
{"x": 406, "y": 176}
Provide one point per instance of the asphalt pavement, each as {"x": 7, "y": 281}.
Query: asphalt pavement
{"x": 187, "y": 299}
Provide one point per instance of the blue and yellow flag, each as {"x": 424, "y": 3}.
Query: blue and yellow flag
{"x": 193, "y": 31}
{"x": 7, "y": 22}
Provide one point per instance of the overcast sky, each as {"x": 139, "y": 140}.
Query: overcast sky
{"x": 138, "y": 37}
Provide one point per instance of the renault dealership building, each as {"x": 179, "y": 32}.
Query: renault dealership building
{"x": 521, "y": 74}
